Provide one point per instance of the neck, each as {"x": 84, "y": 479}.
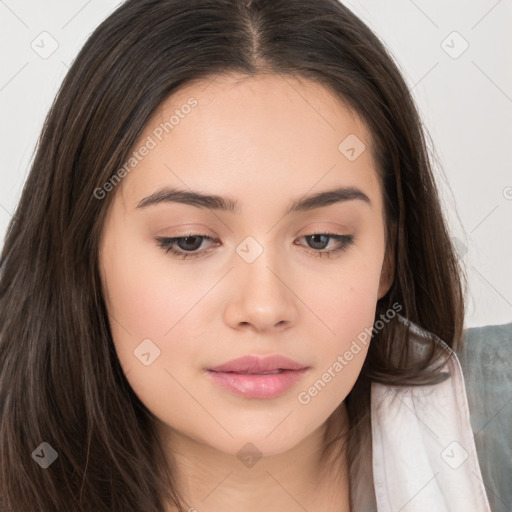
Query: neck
{"x": 312, "y": 475}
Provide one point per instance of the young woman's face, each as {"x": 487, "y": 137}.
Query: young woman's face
{"x": 256, "y": 281}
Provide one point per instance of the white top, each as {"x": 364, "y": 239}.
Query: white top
{"x": 424, "y": 455}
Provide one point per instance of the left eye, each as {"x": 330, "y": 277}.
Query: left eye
{"x": 343, "y": 243}
{"x": 187, "y": 246}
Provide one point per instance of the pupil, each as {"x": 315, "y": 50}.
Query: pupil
{"x": 186, "y": 240}
{"x": 321, "y": 243}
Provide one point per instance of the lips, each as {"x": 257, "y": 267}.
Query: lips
{"x": 254, "y": 377}
{"x": 256, "y": 365}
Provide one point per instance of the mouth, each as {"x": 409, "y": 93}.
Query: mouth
{"x": 254, "y": 377}
{"x": 273, "y": 372}
{"x": 256, "y": 365}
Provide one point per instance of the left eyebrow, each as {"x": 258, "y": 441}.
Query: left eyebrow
{"x": 322, "y": 199}
{"x": 215, "y": 202}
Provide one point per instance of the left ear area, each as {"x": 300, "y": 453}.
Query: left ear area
{"x": 388, "y": 272}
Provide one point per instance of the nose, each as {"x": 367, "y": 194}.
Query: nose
{"x": 262, "y": 298}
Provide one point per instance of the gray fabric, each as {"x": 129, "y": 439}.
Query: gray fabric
{"x": 486, "y": 361}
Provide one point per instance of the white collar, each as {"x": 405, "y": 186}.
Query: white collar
{"x": 423, "y": 451}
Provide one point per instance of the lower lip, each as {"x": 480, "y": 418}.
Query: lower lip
{"x": 257, "y": 386}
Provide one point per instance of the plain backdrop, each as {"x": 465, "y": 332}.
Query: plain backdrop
{"x": 455, "y": 56}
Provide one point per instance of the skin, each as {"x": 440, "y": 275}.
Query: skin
{"x": 263, "y": 141}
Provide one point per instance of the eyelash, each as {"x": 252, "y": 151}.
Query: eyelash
{"x": 168, "y": 244}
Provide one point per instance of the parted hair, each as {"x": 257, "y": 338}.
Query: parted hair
{"x": 60, "y": 379}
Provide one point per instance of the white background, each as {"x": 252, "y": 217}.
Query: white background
{"x": 465, "y": 103}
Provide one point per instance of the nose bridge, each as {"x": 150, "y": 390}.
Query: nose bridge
{"x": 263, "y": 299}
{"x": 257, "y": 263}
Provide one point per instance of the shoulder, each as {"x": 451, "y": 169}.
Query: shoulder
{"x": 486, "y": 362}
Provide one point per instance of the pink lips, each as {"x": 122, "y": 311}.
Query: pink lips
{"x": 254, "y": 377}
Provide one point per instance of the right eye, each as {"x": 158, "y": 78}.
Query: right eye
{"x": 184, "y": 246}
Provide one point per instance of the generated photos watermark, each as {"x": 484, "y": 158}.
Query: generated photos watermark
{"x": 304, "y": 397}
{"x": 151, "y": 142}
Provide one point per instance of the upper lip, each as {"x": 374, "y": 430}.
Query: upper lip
{"x": 254, "y": 364}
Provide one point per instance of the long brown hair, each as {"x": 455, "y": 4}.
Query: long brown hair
{"x": 60, "y": 381}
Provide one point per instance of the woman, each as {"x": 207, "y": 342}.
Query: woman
{"x": 229, "y": 277}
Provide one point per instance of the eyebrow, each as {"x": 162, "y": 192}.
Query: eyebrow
{"x": 215, "y": 202}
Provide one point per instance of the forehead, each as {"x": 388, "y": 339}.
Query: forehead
{"x": 248, "y": 135}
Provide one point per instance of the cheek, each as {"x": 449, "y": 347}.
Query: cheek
{"x": 148, "y": 300}
{"x": 151, "y": 310}
{"x": 345, "y": 298}
{"x": 145, "y": 295}
{"x": 345, "y": 307}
